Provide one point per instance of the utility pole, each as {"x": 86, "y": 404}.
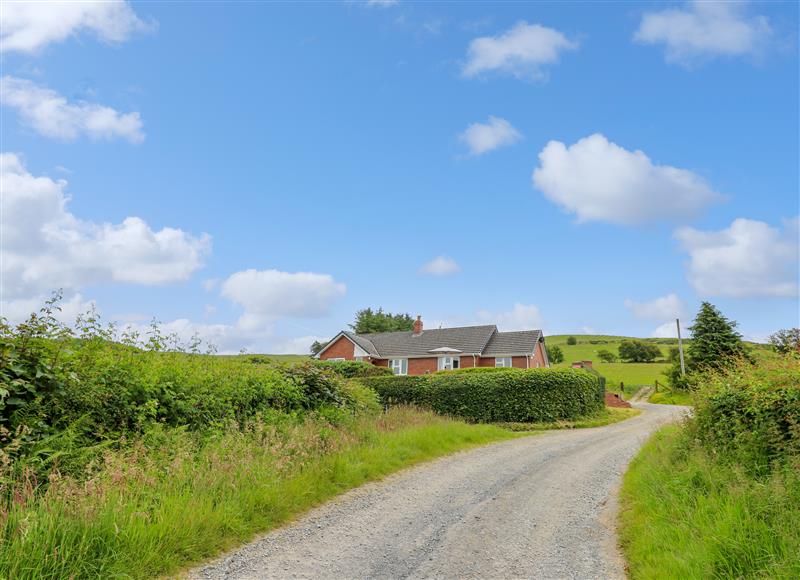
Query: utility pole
{"x": 680, "y": 346}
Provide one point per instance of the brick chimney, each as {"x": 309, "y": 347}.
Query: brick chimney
{"x": 418, "y": 325}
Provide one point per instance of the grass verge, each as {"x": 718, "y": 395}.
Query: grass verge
{"x": 671, "y": 398}
{"x": 605, "y": 417}
{"x": 687, "y": 515}
{"x": 170, "y": 501}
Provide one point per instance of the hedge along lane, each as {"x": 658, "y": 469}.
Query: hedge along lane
{"x": 504, "y": 395}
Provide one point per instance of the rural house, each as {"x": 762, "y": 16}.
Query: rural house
{"x": 419, "y": 351}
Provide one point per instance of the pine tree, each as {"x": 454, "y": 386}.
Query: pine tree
{"x": 714, "y": 339}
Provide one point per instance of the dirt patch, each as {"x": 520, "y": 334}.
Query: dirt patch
{"x": 614, "y": 400}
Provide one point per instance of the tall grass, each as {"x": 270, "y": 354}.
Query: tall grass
{"x": 170, "y": 499}
{"x": 686, "y": 514}
{"x": 719, "y": 496}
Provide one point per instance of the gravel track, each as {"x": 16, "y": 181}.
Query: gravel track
{"x": 536, "y": 507}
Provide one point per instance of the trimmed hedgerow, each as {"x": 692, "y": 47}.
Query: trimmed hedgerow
{"x": 504, "y": 395}
{"x": 351, "y": 369}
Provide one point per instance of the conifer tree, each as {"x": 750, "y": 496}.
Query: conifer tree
{"x": 714, "y": 339}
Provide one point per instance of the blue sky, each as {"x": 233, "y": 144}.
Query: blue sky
{"x": 256, "y": 172}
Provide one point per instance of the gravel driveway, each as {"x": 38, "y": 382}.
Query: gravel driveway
{"x": 537, "y": 507}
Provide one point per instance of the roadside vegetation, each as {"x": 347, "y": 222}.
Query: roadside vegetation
{"x": 125, "y": 455}
{"x": 719, "y": 496}
{"x": 136, "y": 455}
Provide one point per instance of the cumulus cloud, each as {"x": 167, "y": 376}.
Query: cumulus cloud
{"x": 661, "y": 308}
{"x": 704, "y": 30}
{"x": 52, "y": 115}
{"x": 20, "y": 309}
{"x": 521, "y": 317}
{"x": 749, "y": 258}
{"x": 667, "y": 330}
{"x": 521, "y": 51}
{"x": 600, "y": 181}
{"x": 481, "y": 138}
{"x": 29, "y": 26}
{"x": 47, "y": 247}
{"x": 441, "y": 266}
{"x": 266, "y": 295}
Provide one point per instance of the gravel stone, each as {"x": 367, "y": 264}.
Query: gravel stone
{"x": 536, "y": 507}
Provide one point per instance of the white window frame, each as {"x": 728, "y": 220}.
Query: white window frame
{"x": 448, "y": 363}
{"x": 337, "y": 359}
{"x": 399, "y": 366}
{"x": 500, "y": 362}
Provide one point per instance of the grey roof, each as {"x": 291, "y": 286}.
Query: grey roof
{"x": 467, "y": 339}
{"x": 521, "y": 342}
{"x": 363, "y": 342}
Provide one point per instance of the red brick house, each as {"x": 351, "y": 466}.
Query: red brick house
{"x": 419, "y": 351}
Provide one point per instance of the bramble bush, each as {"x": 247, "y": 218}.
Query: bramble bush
{"x": 750, "y": 414}
{"x": 491, "y": 395}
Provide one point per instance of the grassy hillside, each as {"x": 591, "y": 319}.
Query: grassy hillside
{"x": 631, "y": 374}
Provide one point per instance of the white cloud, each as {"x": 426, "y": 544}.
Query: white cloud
{"x": 600, "y": 181}
{"x": 588, "y": 330}
{"x": 441, "y": 266}
{"x": 51, "y": 115}
{"x": 520, "y": 51}
{"x": 521, "y": 317}
{"x": 20, "y": 309}
{"x": 46, "y": 247}
{"x": 381, "y": 3}
{"x": 297, "y": 345}
{"x": 704, "y": 30}
{"x": 661, "y": 308}
{"x": 29, "y": 26}
{"x": 749, "y": 258}
{"x": 266, "y": 295}
{"x": 481, "y": 138}
{"x": 667, "y": 330}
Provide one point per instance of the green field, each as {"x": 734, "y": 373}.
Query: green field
{"x": 631, "y": 374}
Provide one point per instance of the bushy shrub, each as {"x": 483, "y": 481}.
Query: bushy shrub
{"x": 350, "y": 369}
{"x": 495, "y": 395}
{"x": 750, "y": 413}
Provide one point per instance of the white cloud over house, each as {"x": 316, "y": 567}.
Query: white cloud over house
{"x": 267, "y": 295}
{"x": 481, "y": 138}
{"x": 520, "y": 317}
{"x": 703, "y": 30}
{"x": 750, "y": 258}
{"x": 660, "y": 309}
{"x": 46, "y": 247}
{"x": 598, "y": 180}
{"x": 522, "y": 51}
{"x": 30, "y": 26}
{"x": 440, "y": 266}
{"x": 51, "y": 115}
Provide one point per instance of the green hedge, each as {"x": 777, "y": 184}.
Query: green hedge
{"x": 350, "y": 369}
{"x": 751, "y": 413}
{"x": 503, "y": 395}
